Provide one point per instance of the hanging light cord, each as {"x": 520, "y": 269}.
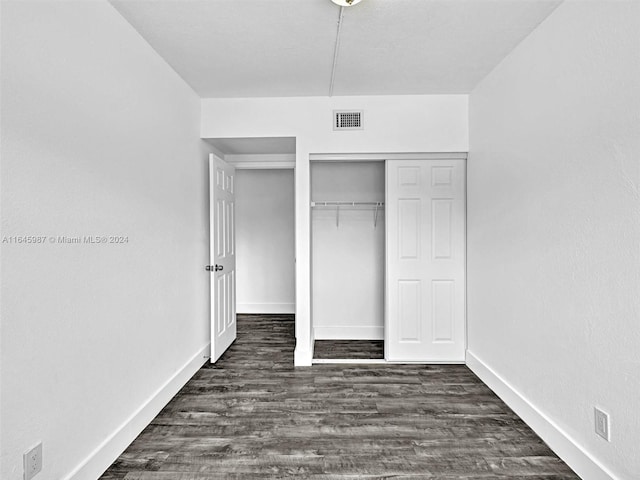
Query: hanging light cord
{"x": 335, "y": 52}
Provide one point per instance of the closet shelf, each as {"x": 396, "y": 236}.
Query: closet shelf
{"x": 347, "y": 204}
{"x": 338, "y": 205}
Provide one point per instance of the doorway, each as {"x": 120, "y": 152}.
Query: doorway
{"x": 348, "y": 260}
{"x": 265, "y": 236}
{"x": 259, "y": 229}
{"x": 388, "y": 259}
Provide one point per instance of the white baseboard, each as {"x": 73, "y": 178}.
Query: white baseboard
{"x": 587, "y": 467}
{"x": 109, "y": 450}
{"x": 303, "y": 355}
{"x": 267, "y": 308}
{"x": 349, "y": 361}
{"x": 368, "y": 332}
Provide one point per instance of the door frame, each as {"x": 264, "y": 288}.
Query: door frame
{"x": 369, "y": 157}
{"x": 276, "y": 165}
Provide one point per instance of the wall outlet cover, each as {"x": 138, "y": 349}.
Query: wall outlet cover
{"x": 32, "y": 460}
{"x": 602, "y": 423}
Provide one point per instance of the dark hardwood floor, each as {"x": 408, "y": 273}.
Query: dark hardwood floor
{"x": 349, "y": 349}
{"x": 253, "y": 416}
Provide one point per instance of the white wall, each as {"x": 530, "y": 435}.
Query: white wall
{"x": 265, "y": 241}
{"x": 99, "y": 137}
{"x": 554, "y": 231}
{"x": 347, "y": 258}
{"x": 411, "y": 123}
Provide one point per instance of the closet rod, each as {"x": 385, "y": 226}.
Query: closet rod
{"x": 375, "y": 205}
{"x": 347, "y": 204}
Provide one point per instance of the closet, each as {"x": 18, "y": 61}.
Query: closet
{"x": 388, "y": 257}
{"x": 347, "y": 244}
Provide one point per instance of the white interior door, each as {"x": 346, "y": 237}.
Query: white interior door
{"x": 222, "y": 256}
{"x": 425, "y": 260}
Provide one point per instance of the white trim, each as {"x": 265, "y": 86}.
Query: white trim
{"x": 370, "y": 157}
{"x": 379, "y": 361}
{"x": 216, "y": 151}
{"x": 110, "y": 449}
{"x": 303, "y": 357}
{"x": 425, "y": 362}
{"x": 364, "y": 361}
{"x": 466, "y": 258}
{"x": 584, "y": 464}
{"x": 259, "y": 157}
{"x": 261, "y": 161}
{"x": 264, "y": 165}
{"x": 266, "y": 308}
{"x": 215, "y": 155}
{"x": 367, "y": 332}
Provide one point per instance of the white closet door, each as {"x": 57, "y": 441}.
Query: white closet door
{"x": 425, "y": 260}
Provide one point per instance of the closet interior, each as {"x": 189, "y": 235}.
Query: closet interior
{"x": 348, "y": 259}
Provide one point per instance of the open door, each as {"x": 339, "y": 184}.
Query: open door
{"x": 425, "y": 283}
{"x": 222, "y": 256}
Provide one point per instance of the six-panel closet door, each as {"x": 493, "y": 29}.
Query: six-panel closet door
{"x": 425, "y": 260}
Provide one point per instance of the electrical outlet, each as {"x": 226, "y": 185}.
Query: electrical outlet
{"x": 32, "y": 462}
{"x": 602, "y": 423}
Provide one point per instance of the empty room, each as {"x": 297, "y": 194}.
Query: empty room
{"x": 323, "y": 239}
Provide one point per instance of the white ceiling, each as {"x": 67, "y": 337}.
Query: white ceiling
{"x": 267, "y": 48}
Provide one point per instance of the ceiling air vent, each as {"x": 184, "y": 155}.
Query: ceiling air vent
{"x": 347, "y": 120}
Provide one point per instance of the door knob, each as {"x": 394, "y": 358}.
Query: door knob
{"x": 211, "y": 268}
{"x": 219, "y": 268}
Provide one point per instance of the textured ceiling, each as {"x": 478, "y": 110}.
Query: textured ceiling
{"x": 270, "y": 48}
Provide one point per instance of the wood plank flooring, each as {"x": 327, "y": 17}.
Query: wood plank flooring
{"x": 349, "y": 349}
{"x": 253, "y": 416}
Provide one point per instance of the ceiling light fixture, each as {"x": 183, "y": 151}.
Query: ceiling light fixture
{"x": 346, "y": 3}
